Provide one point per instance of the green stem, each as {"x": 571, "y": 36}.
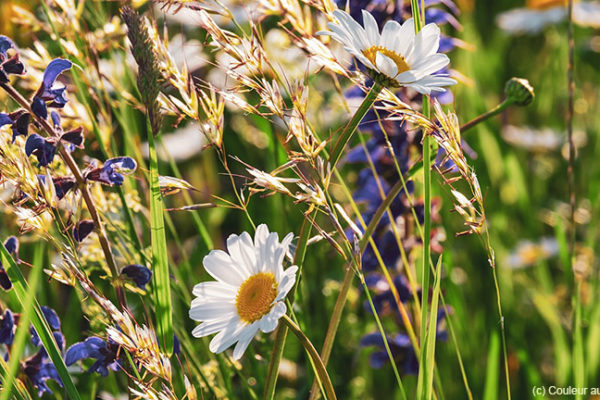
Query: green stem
{"x": 281, "y": 333}
{"x": 320, "y": 370}
{"x": 486, "y": 115}
{"x": 350, "y": 127}
{"x": 426, "y": 224}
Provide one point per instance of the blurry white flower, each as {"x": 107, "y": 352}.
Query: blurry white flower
{"x": 536, "y": 140}
{"x": 249, "y": 292}
{"x": 540, "y": 13}
{"x": 397, "y": 53}
{"x": 528, "y": 253}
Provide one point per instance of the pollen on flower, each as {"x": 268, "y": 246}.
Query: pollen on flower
{"x": 371, "y": 54}
{"x": 255, "y": 296}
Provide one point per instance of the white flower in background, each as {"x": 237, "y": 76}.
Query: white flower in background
{"x": 397, "y": 53}
{"x": 528, "y": 253}
{"x": 249, "y": 292}
{"x": 538, "y": 14}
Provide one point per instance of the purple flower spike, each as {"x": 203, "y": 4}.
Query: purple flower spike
{"x": 105, "y": 354}
{"x": 21, "y": 125}
{"x": 7, "y": 327}
{"x": 83, "y": 229}
{"x": 46, "y": 96}
{"x": 12, "y": 246}
{"x": 62, "y": 185}
{"x": 55, "y": 119}
{"x": 139, "y": 274}
{"x": 42, "y": 148}
{"x": 5, "y": 119}
{"x": 74, "y": 137}
{"x": 113, "y": 170}
{"x": 9, "y": 64}
{"x": 39, "y": 369}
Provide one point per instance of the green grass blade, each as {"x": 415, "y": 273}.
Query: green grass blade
{"x": 23, "y": 328}
{"x": 20, "y": 295}
{"x": 427, "y": 357}
{"x": 160, "y": 258}
{"x": 492, "y": 372}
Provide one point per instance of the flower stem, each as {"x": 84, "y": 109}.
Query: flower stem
{"x": 486, "y": 115}
{"x": 426, "y": 224}
{"x": 85, "y": 193}
{"x": 281, "y": 333}
{"x": 320, "y": 370}
{"x": 350, "y": 127}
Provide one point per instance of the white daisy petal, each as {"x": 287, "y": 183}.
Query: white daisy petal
{"x": 241, "y": 250}
{"x": 390, "y": 35}
{"x": 219, "y": 265}
{"x": 287, "y": 282}
{"x": 386, "y": 65}
{"x": 431, "y": 64}
{"x": 243, "y": 342}
{"x": 214, "y": 289}
{"x": 210, "y": 327}
{"x": 213, "y": 310}
{"x": 228, "y": 336}
{"x": 371, "y": 28}
{"x": 268, "y": 323}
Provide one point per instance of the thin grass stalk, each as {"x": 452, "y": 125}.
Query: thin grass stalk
{"x": 281, "y": 333}
{"x": 351, "y": 126}
{"x": 320, "y": 370}
{"x": 85, "y": 193}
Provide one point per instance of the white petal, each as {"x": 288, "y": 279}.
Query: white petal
{"x": 386, "y": 65}
{"x": 280, "y": 252}
{"x": 287, "y": 282}
{"x": 390, "y": 35}
{"x": 523, "y": 20}
{"x": 214, "y": 289}
{"x": 406, "y": 77}
{"x": 371, "y": 28}
{"x": 242, "y": 252}
{"x": 243, "y": 342}
{"x": 364, "y": 60}
{"x": 211, "y": 311}
{"x": 431, "y": 64}
{"x": 406, "y": 38}
{"x": 229, "y": 336}
{"x": 587, "y": 14}
{"x": 220, "y": 266}
{"x": 269, "y": 322}
{"x": 210, "y": 327}
{"x": 426, "y": 43}
{"x": 357, "y": 32}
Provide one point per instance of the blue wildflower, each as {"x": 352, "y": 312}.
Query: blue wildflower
{"x": 7, "y": 327}
{"x": 112, "y": 171}
{"x": 106, "y": 354}
{"x": 43, "y": 149}
{"x": 39, "y": 369}
{"x": 9, "y": 64}
{"x": 47, "y": 96}
{"x": 5, "y": 119}
{"x": 20, "y": 126}
{"x": 83, "y": 229}
{"x": 12, "y": 246}
{"x": 140, "y": 274}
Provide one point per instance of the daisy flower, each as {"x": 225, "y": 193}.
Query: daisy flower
{"x": 397, "y": 55}
{"x": 537, "y": 14}
{"x": 249, "y": 292}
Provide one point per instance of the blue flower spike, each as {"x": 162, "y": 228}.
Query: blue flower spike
{"x": 12, "y": 246}
{"x": 9, "y": 60}
{"x": 140, "y": 274}
{"x": 83, "y": 229}
{"x": 43, "y": 149}
{"x": 47, "y": 96}
{"x": 7, "y": 328}
{"x": 105, "y": 354}
{"x": 112, "y": 171}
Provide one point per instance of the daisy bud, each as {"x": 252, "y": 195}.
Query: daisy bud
{"x": 519, "y": 91}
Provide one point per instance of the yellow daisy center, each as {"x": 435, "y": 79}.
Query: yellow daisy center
{"x": 371, "y": 54}
{"x": 543, "y": 4}
{"x": 255, "y": 296}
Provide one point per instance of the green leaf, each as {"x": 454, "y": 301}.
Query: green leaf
{"x": 23, "y": 294}
{"x": 160, "y": 258}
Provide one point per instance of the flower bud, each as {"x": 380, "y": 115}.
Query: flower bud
{"x": 519, "y": 91}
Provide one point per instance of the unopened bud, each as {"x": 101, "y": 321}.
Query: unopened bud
{"x": 519, "y": 91}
